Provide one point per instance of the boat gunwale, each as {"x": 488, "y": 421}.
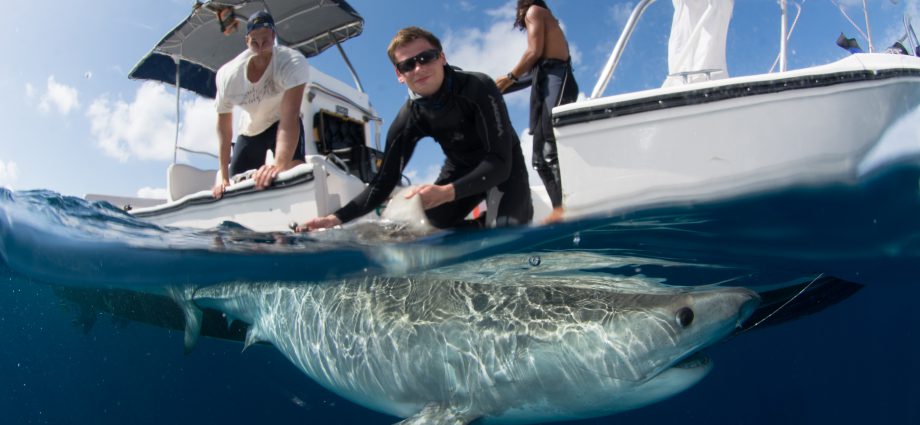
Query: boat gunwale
{"x": 205, "y": 197}
{"x": 613, "y": 107}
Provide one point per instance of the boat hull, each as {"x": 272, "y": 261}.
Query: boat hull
{"x": 730, "y": 137}
{"x": 309, "y": 190}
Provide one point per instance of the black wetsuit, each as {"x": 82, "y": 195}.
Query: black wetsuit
{"x": 468, "y": 118}
{"x": 553, "y": 85}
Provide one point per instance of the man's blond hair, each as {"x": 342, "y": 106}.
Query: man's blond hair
{"x": 408, "y": 35}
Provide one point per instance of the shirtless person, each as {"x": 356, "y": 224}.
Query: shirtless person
{"x": 547, "y": 59}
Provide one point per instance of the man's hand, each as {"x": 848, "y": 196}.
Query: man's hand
{"x": 433, "y": 195}
{"x": 503, "y": 83}
{"x": 218, "y": 190}
{"x": 319, "y": 223}
{"x": 265, "y": 175}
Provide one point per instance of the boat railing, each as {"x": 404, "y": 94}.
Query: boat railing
{"x": 631, "y": 23}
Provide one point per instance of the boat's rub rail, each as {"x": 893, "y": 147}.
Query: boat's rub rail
{"x": 717, "y": 93}
{"x": 300, "y": 174}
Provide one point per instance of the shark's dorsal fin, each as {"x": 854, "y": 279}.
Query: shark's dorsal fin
{"x": 193, "y": 315}
{"x": 439, "y": 414}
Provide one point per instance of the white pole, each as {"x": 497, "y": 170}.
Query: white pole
{"x": 618, "y": 49}
{"x": 178, "y": 61}
{"x": 868, "y": 30}
{"x": 782, "y": 41}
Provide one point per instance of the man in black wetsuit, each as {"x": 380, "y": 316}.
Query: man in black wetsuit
{"x": 466, "y": 115}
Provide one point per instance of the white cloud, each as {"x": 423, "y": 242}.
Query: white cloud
{"x": 61, "y": 97}
{"x": 9, "y": 174}
{"x": 494, "y": 50}
{"x": 30, "y": 91}
{"x": 199, "y": 121}
{"x": 620, "y": 13}
{"x": 428, "y": 175}
{"x": 506, "y": 12}
{"x": 146, "y": 127}
{"x": 152, "y": 193}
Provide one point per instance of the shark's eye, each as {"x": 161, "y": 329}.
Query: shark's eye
{"x": 684, "y": 317}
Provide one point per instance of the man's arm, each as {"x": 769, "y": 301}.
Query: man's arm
{"x": 402, "y": 137}
{"x": 224, "y": 135}
{"x": 287, "y": 137}
{"x": 536, "y": 36}
{"x": 288, "y": 127}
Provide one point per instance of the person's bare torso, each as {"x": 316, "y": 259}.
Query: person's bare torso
{"x": 554, "y": 43}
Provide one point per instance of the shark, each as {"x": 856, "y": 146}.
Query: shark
{"x": 441, "y": 351}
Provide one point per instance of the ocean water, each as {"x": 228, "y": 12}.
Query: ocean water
{"x": 851, "y": 363}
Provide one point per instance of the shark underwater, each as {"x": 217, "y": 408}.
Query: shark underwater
{"x": 440, "y": 351}
{"x": 434, "y": 349}
{"x": 454, "y": 352}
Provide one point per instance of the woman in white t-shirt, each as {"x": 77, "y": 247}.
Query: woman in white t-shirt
{"x": 267, "y": 82}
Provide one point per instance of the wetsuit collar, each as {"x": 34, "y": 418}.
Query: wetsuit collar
{"x": 439, "y": 99}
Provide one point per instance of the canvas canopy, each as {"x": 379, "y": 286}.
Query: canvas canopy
{"x": 696, "y": 47}
{"x": 200, "y": 46}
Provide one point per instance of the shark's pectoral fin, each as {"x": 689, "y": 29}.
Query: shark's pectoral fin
{"x": 253, "y": 336}
{"x": 193, "y": 315}
{"x": 787, "y": 302}
{"x": 439, "y": 414}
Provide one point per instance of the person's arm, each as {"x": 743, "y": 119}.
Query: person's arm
{"x": 536, "y": 34}
{"x": 287, "y": 137}
{"x": 494, "y": 129}
{"x": 224, "y": 135}
{"x": 401, "y": 140}
{"x": 289, "y": 127}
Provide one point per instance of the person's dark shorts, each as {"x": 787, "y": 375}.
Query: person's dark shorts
{"x": 249, "y": 151}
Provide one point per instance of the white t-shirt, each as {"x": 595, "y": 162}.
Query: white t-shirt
{"x": 260, "y": 101}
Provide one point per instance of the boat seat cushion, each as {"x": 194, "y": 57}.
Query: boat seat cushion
{"x": 182, "y": 180}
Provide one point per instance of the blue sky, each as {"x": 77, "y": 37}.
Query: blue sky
{"x": 75, "y": 124}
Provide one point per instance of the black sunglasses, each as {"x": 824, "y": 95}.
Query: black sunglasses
{"x": 421, "y": 59}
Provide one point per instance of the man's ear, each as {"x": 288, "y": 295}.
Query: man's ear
{"x": 399, "y": 76}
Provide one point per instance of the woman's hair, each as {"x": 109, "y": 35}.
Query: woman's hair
{"x": 408, "y": 35}
{"x": 522, "y": 7}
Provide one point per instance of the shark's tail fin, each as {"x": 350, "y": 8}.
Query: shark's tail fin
{"x": 169, "y": 312}
{"x": 193, "y": 315}
{"x": 790, "y": 302}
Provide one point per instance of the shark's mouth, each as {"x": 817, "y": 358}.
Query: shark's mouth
{"x": 693, "y": 361}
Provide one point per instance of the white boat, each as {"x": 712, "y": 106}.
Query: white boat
{"x": 699, "y": 141}
{"x": 729, "y": 137}
{"x": 342, "y": 134}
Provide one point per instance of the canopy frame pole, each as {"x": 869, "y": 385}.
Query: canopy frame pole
{"x": 868, "y": 29}
{"x": 784, "y": 23}
{"x": 178, "y": 61}
{"x": 354, "y": 75}
{"x": 614, "y": 59}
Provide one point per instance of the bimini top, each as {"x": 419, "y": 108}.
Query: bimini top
{"x": 214, "y": 34}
